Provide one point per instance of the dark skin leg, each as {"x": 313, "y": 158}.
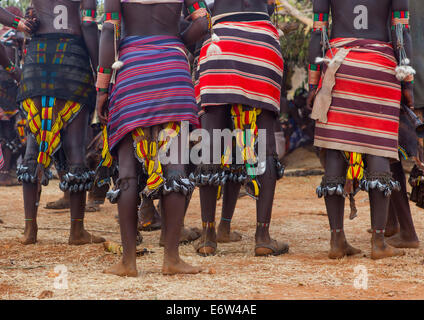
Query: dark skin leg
{"x": 173, "y": 210}
{"x": 392, "y": 226}
{"x": 400, "y": 209}
{"x": 72, "y": 139}
{"x": 379, "y": 211}
{"x": 9, "y": 134}
{"x": 31, "y": 197}
{"x": 231, "y": 191}
{"x": 216, "y": 118}
{"x": 267, "y": 180}
{"x": 74, "y": 146}
{"x": 127, "y": 208}
{"x": 335, "y": 166}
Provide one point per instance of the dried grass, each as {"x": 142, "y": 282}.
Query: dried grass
{"x": 305, "y": 273}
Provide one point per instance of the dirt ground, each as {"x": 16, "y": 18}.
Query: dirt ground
{"x": 28, "y": 272}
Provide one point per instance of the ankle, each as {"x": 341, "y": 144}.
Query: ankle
{"x": 225, "y": 224}
{"x": 378, "y": 236}
{"x": 30, "y": 222}
{"x": 262, "y": 232}
{"x": 77, "y": 225}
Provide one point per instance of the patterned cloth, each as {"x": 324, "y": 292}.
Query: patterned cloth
{"x": 58, "y": 65}
{"x": 153, "y": 87}
{"x": 8, "y": 92}
{"x": 249, "y": 70}
{"x": 365, "y": 101}
{"x": 46, "y": 124}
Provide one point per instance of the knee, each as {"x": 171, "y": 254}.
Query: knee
{"x": 176, "y": 180}
{"x": 78, "y": 179}
{"x": 380, "y": 181}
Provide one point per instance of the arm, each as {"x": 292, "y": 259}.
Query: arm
{"x": 106, "y": 56}
{"x": 271, "y": 7}
{"x": 321, "y": 12}
{"x": 24, "y": 25}
{"x": 200, "y": 22}
{"x": 401, "y": 35}
{"x": 90, "y": 31}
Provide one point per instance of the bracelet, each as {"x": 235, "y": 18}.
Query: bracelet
{"x": 11, "y": 68}
{"x": 89, "y": 15}
{"x": 196, "y": 6}
{"x": 115, "y": 19}
{"x": 409, "y": 78}
{"x": 105, "y": 90}
{"x": 314, "y": 73}
{"x": 103, "y": 80}
{"x": 320, "y": 21}
{"x": 104, "y": 70}
{"x": 313, "y": 87}
{"x": 15, "y": 23}
{"x": 400, "y": 17}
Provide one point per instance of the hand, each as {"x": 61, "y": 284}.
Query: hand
{"x": 30, "y": 12}
{"x": 28, "y": 26}
{"x": 101, "y": 107}
{"x": 17, "y": 39}
{"x": 408, "y": 96}
{"x": 310, "y": 100}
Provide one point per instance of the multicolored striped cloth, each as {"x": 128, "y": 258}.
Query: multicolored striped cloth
{"x": 153, "y": 87}
{"x": 249, "y": 70}
{"x": 365, "y": 103}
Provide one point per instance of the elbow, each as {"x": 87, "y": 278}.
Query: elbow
{"x": 88, "y": 27}
{"x": 108, "y": 29}
{"x": 201, "y": 24}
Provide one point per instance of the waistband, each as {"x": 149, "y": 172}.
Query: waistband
{"x": 240, "y": 17}
{"x": 157, "y": 41}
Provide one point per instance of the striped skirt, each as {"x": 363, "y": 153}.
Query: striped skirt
{"x": 153, "y": 87}
{"x": 249, "y": 70}
{"x": 365, "y": 101}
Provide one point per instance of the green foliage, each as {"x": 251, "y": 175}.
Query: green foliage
{"x": 295, "y": 47}
{"x": 295, "y": 43}
{"x": 21, "y": 4}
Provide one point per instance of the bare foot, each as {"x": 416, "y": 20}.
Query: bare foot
{"x": 6, "y": 180}
{"x": 398, "y": 241}
{"x": 92, "y": 207}
{"x": 228, "y": 237}
{"x": 339, "y": 247}
{"x": 60, "y": 204}
{"x": 84, "y": 238}
{"x": 225, "y": 235}
{"x": 180, "y": 267}
{"x": 122, "y": 270}
{"x": 380, "y": 250}
{"x": 30, "y": 234}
